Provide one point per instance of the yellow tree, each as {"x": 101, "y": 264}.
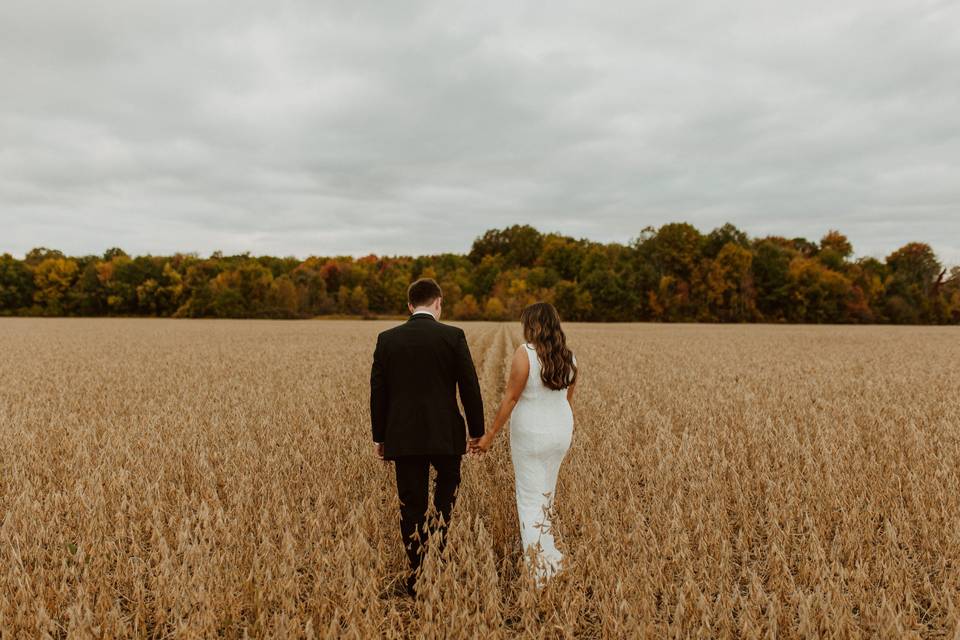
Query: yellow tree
{"x": 283, "y": 298}
{"x": 518, "y": 297}
{"x": 670, "y": 300}
{"x": 494, "y": 309}
{"x": 161, "y": 297}
{"x": 53, "y": 278}
{"x": 729, "y": 289}
{"x": 818, "y": 294}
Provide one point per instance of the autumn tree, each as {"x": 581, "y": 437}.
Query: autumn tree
{"x": 311, "y": 288}
{"x": 494, "y": 309}
{"x": 817, "y": 294}
{"x": 282, "y": 298}
{"x": 16, "y": 285}
{"x": 834, "y": 250}
{"x": 729, "y": 284}
{"x": 572, "y": 302}
{"x": 914, "y": 269}
{"x": 53, "y": 278}
{"x": 38, "y": 254}
{"x": 518, "y": 246}
{"x": 720, "y": 237}
{"x": 467, "y": 308}
{"x": 770, "y": 268}
{"x": 563, "y": 256}
{"x": 352, "y": 300}
{"x": 161, "y": 296}
{"x": 671, "y": 273}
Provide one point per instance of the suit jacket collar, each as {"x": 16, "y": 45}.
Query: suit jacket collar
{"x": 421, "y": 316}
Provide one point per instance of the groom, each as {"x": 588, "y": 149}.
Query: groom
{"x": 417, "y": 368}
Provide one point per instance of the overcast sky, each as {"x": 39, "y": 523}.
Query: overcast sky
{"x": 299, "y": 128}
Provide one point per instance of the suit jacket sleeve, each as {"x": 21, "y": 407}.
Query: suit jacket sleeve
{"x": 379, "y": 397}
{"x": 469, "y": 388}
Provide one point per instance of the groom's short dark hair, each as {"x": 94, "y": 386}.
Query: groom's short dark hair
{"x": 423, "y": 292}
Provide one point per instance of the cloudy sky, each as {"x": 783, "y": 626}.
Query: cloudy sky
{"x": 298, "y": 128}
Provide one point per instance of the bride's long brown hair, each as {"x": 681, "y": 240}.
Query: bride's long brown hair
{"x": 541, "y": 328}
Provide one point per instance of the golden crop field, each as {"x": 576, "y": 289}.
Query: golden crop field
{"x": 175, "y": 478}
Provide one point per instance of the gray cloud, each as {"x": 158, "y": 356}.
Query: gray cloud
{"x": 349, "y": 127}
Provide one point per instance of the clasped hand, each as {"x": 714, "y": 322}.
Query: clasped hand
{"x": 479, "y": 446}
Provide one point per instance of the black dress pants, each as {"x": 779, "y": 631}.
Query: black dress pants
{"x": 413, "y": 480}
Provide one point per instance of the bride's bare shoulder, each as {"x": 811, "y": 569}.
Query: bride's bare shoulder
{"x": 520, "y": 357}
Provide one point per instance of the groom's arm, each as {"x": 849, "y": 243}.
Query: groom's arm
{"x": 378, "y": 396}
{"x": 469, "y": 387}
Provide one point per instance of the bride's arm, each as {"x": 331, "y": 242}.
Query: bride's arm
{"x": 519, "y": 369}
{"x": 574, "y": 385}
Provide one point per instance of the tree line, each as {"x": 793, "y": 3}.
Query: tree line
{"x": 672, "y": 273}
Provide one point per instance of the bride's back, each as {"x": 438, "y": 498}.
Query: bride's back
{"x": 535, "y": 389}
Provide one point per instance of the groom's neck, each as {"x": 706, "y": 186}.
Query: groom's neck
{"x": 424, "y": 310}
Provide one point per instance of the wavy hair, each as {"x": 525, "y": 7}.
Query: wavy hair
{"x": 541, "y": 328}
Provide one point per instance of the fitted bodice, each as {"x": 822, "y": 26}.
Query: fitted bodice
{"x": 535, "y": 389}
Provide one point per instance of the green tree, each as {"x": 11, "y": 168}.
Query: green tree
{"x": 674, "y": 250}
{"x": 721, "y": 237}
{"x": 161, "y": 296}
{"x": 562, "y": 255}
{"x": 519, "y": 246}
{"x": 241, "y": 292}
{"x": 571, "y": 302}
{"x": 114, "y": 252}
{"x": 199, "y": 292}
{"x": 92, "y": 295}
{"x": 951, "y": 292}
{"x": 834, "y": 250}
{"x": 485, "y": 275}
{"x": 16, "y": 285}
{"x": 37, "y": 255}
{"x": 914, "y": 271}
{"x": 122, "y": 276}
{"x": 771, "y": 276}
{"x": 311, "y": 288}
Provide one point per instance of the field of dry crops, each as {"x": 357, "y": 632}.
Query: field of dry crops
{"x": 165, "y": 478}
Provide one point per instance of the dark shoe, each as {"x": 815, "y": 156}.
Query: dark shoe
{"x": 412, "y": 585}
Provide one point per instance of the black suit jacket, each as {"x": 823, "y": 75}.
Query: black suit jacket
{"x": 417, "y": 368}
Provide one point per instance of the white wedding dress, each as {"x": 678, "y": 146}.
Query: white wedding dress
{"x": 541, "y": 428}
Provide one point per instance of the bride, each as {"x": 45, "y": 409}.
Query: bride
{"x": 542, "y": 379}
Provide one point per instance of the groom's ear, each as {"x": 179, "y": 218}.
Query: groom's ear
{"x": 410, "y": 307}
